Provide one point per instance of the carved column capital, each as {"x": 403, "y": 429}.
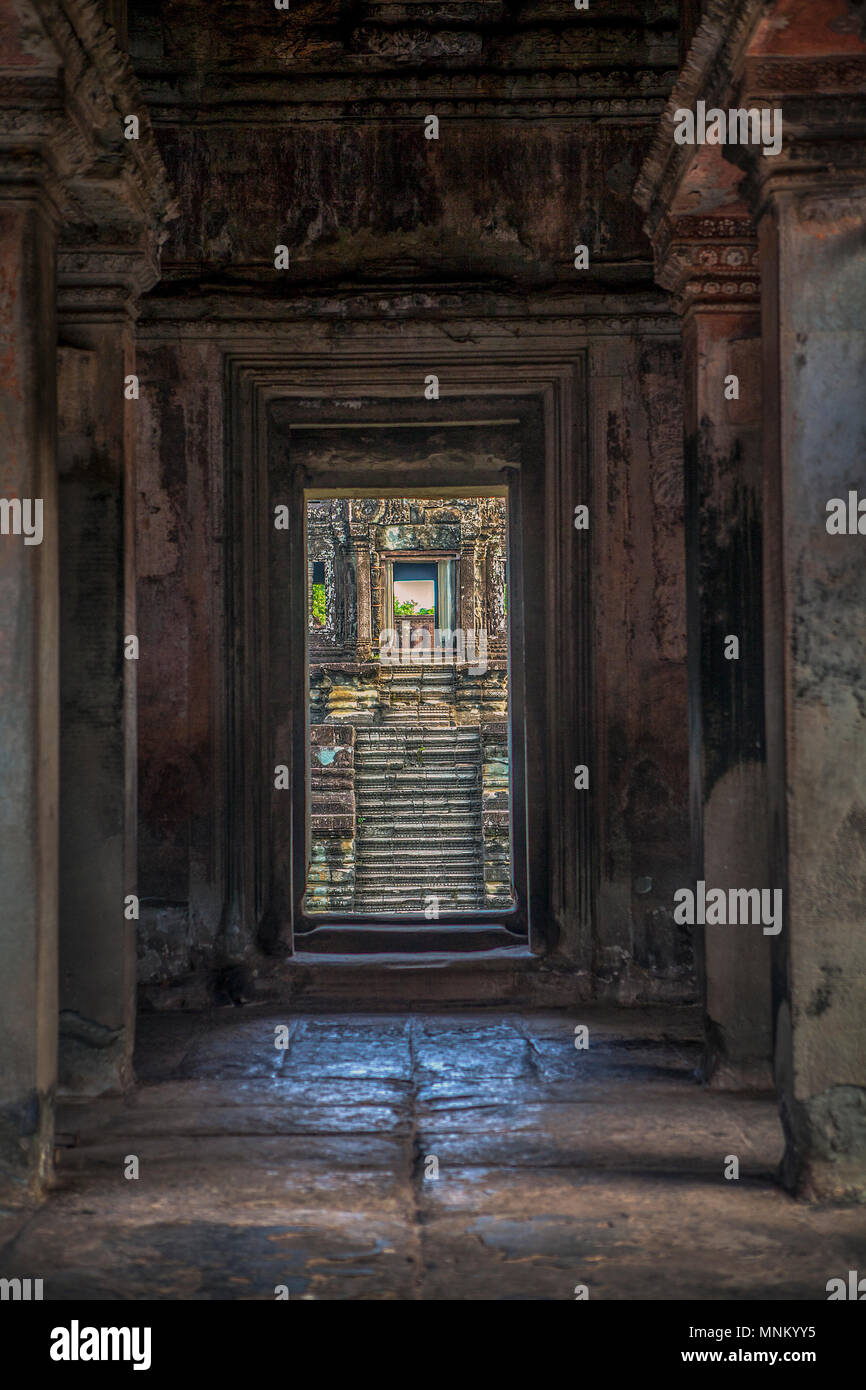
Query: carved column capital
{"x": 102, "y": 273}
{"x": 709, "y": 260}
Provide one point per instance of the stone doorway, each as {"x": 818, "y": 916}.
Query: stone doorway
{"x": 409, "y": 804}
{"x": 359, "y": 432}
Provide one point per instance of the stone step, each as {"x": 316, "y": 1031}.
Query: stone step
{"x": 380, "y": 830}
{"x": 404, "y": 784}
{"x": 424, "y": 807}
{"x": 419, "y": 670}
{"x": 426, "y": 817}
{"x": 400, "y": 892}
{"x": 414, "y": 843}
{"x": 457, "y": 818}
{"x": 434, "y": 754}
{"x": 468, "y": 883}
{"x": 408, "y": 766}
{"x": 416, "y": 906}
{"x": 404, "y": 775}
{"x": 421, "y": 841}
{"x": 419, "y": 798}
{"x": 418, "y": 884}
{"x": 388, "y": 866}
{"x": 418, "y": 790}
{"x": 459, "y": 822}
{"x": 391, "y": 869}
{"x": 427, "y": 820}
{"x": 416, "y": 793}
{"x": 418, "y": 755}
{"x": 410, "y": 696}
{"x": 383, "y": 937}
{"x": 396, "y": 715}
{"x": 402, "y": 781}
{"x": 445, "y": 743}
{"x": 430, "y": 684}
{"x": 403, "y": 790}
{"x": 408, "y": 850}
{"x": 435, "y": 740}
{"x": 380, "y": 834}
{"x": 458, "y": 851}
{"x": 408, "y": 755}
{"x": 462, "y": 733}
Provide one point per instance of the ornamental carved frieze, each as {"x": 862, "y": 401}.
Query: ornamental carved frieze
{"x": 598, "y": 92}
{"x": 793, "y": 76}
{"x": 710, "y": 259}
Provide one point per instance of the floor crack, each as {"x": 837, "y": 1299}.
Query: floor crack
{"x": 416, "y": 1171}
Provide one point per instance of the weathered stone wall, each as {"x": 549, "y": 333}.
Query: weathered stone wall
{"x": 778, "y": 764}
{"x": 331, "y": 876}
{"x": 81, "y": 217}
{"x": 639, "y": 602}
{"x": 328, "y": 108}
{"x": 461, "y": 244}
{"x": 180, "y": 595}
{"x": 495, "y": 797}
{"x": 638, "y": 720}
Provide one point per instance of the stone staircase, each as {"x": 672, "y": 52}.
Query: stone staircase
{"x": 419, "y": 694}
{"x": 418, "y": 806}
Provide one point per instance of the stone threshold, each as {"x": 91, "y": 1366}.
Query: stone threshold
{"x": 377, "y": 938}
{"x": 414, "y": 979}
{"x": 508, "y": 974}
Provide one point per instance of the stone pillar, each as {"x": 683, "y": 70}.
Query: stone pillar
{"x": 28, "y": 686}
{"x": 98, "y": 729}
{"x": 807, "y": 197}
{"x": 364, "y": 596}
{"x": 466, "y": 585}
{"x": 811, "y": 213}
{"x": 359, "y": 558}
{"x": 710, "y": 262}
{"x": 377, "y": 619}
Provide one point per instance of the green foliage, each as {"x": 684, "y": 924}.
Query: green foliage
{"x": 403, "y": 610}
{"x": 319, "y": 607}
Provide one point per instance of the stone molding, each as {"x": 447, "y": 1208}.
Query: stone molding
{"x": 378, "y": 315}
{"x": 606, "y": 94}
{"x": 824, "y": 150}
{"x": 716, "y": 52}
{"x": 823, "y": 100}
{"x": 805, "y": 76}
{"x": 61, "y": 125}
{"x": 94, "y": 271}
{"x": 709, "y": 260}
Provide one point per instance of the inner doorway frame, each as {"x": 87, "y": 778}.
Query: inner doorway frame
{"x": 503, "y": 482}
{"x": 267, "y": 388}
